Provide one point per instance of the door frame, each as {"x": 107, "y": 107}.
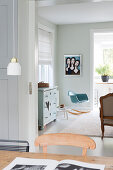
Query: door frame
{"x": 92, "y": 31}
{"x": 33, "y": 73}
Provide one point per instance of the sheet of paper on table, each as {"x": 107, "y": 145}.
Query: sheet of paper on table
{"x": 47, "y": 164}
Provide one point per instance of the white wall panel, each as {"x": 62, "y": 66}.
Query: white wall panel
{"x": 4, "y": 115}
{"x": 8, "y": 84}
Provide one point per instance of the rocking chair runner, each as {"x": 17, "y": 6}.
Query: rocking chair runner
{"x": 77, "y": 98}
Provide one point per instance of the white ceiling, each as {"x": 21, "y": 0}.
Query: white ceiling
{"x": 78, "y": 12}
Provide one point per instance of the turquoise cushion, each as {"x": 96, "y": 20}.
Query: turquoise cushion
{"x": 82, "y": 97}
{"x": 77, "y": 98}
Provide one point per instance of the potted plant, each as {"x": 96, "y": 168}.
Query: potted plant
{"x": 105, "y": 71}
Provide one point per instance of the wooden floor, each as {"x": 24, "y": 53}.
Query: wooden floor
{"x": 103, "y": 147}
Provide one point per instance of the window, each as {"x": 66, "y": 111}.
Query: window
{"x": 45, "y": 56}
{"x": 108, "y": 55}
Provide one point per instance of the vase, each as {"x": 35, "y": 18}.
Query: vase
{"x": 105, "y": 78}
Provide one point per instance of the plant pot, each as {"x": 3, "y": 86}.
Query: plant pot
{"x": 105, "y": 78}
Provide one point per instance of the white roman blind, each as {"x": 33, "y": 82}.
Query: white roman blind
{"x": 45, "y": 47}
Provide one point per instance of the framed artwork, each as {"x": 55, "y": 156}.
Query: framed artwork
{"x": 72, "y": 64}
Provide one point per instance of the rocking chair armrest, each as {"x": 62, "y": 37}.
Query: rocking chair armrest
{"x": 70, "y": 93}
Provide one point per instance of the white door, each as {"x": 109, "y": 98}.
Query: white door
{"x": 8, "y": 84}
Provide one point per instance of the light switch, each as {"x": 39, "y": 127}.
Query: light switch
{"x": 30, "y": 87}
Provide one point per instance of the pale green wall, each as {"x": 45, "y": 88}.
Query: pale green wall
{"x": 75, "y": 39}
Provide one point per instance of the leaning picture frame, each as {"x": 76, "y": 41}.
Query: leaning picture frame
{"x": 72, "y": 65}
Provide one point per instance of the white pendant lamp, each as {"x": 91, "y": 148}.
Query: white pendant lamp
{"x": 14, "y": 67}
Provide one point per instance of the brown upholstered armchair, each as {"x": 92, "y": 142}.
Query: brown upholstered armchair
{"x": 106, "y": 111}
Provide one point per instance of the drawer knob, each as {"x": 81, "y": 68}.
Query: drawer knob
{"x": 47, "y": 105}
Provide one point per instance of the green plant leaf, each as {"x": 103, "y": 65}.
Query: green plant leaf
{"x": 104, "y": 70}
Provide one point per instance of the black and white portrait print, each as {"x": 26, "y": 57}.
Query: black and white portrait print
{"x": 29, "y": 167}
{"x": 66, "y": 166}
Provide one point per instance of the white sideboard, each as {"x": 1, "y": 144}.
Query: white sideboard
{"x": 47, "y": 105}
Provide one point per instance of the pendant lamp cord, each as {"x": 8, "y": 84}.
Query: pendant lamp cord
{"x": 13, "y": 29}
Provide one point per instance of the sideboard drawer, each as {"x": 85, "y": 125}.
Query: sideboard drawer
{"x": 46, "y": 95}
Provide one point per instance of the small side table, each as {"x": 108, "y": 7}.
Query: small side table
{"x": 64, "y": 111}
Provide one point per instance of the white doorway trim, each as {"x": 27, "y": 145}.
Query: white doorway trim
{"x": 33, "y": 72}
{"x": 92, "y": 61}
